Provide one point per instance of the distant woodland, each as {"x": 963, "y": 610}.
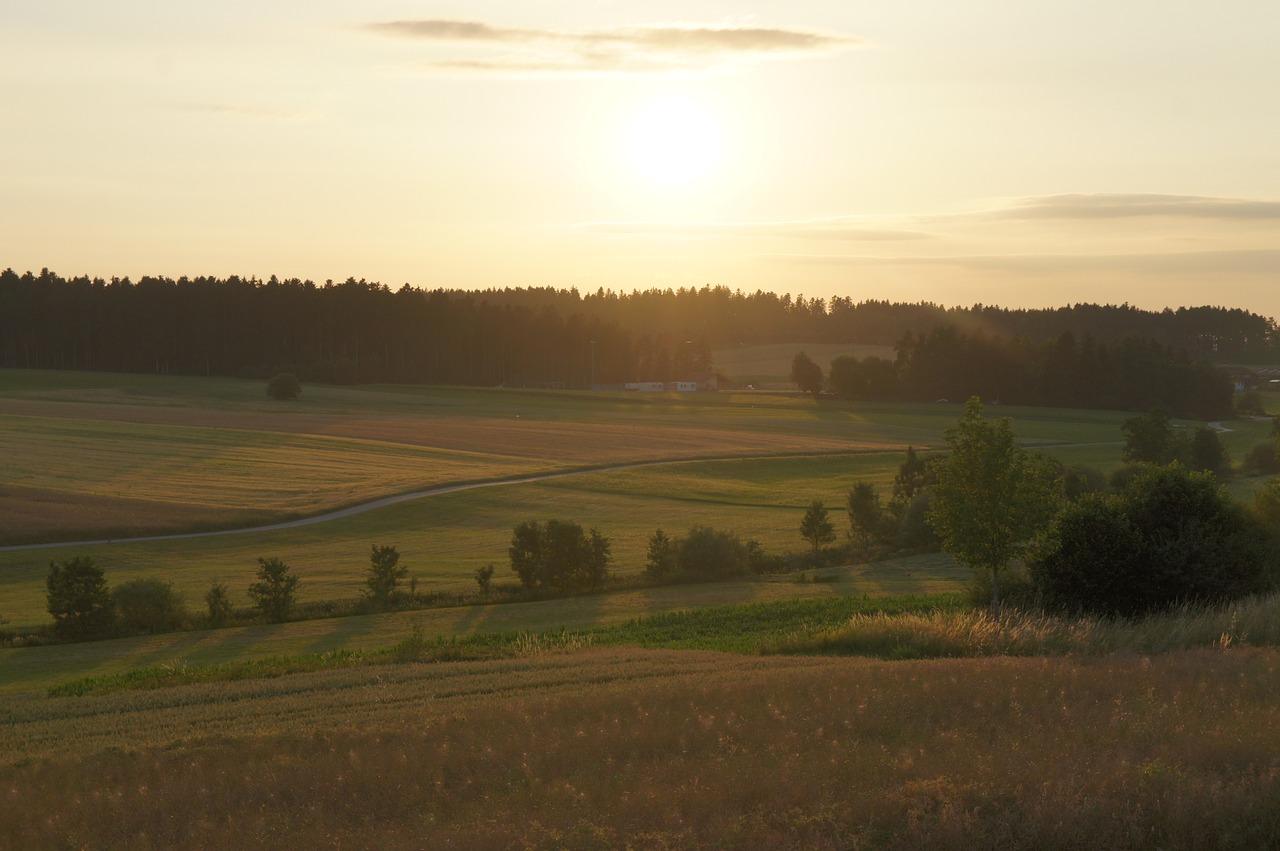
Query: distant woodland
{"x": 361, "y": 331}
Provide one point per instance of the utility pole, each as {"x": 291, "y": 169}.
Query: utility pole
{"x": 593, "y": 365}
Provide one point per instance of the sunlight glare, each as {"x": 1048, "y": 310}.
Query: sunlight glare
{"x": 674, "y": 141}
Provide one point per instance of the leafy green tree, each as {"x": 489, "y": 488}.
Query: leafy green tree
{"x": 992, "y": 497}
{"x": 1266, "y": 505}
{"x": 218, "y": 601}
{"x": 1149, "y": 439}
{"x": 148, "y": 606}
{"x": 1171, "y": 536}
{"x": 660, "y": 561}
{"x": 816, "y": 526}
{"x": 385, "y": 573}
{"x": 914, "y": 475}
{"x": 284, "y": 386}
{"x": 484, "y": 578}
{"x": 806, "y": 374}
{"x": 78, "y": 599}
{"x": 1207, "y": 454}
{"x": 866, "y": 515}
{"x": 276, "y": 589}
{"x": 559, "y": 556}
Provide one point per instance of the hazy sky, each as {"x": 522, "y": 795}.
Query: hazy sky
{"x": 1000, "y": 151}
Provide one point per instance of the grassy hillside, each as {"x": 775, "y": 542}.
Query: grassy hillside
{"x": 214, "y": 452}
{"x": 672, "y": 749}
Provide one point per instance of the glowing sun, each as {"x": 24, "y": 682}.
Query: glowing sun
{"x": 674, "y": 141}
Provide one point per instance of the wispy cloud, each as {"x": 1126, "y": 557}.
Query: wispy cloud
{"x": 242, "y": 111}
{"x": 1116, "y": 206}
{"x": 1262, "y": 261}
{"x": 827, "y": 228}
{"x": 629, "y": 50}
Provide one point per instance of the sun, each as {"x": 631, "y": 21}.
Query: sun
{"x": 674, "y": 142}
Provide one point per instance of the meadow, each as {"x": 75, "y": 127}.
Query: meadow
{"x": 749, "y": 462}
{"x": 689, "y": 716}
{"x": 634, "y": 748}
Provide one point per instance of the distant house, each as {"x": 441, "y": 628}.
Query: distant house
{"x": 645, "y": 386}
{"x": 1243, "y": 378}
{"x": 685, "y": 386}
{"x": 711, "y": 381}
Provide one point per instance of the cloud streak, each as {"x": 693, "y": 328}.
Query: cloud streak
{"x": 1262, "y": 261}
{"x": 1121, "y": 206}
{"x": 641, "y": 49}
{"x": 829, "y": 229}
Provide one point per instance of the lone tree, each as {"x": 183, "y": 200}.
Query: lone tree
{"x": 78, "y": 599}
{"x": 915, "y": 474}
{"x": 991, "y": 497}
{"x": 806, "y": 374}
{"x": 275, "y": 589}
{"x": 385, "y": 573}
{"x": 816, "y": 526}
{"x": 866, "y": 515}
{"x": 558, "y": 556}
{"x": 284, "y": 386}
{"x": 660, "y": 561}
{"x": 1149, "y": 439}
{"x": 218, "y": 601}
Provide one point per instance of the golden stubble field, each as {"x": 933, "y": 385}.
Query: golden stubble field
{"x": 127, "y": 455}
{"x": 665, "y": 749}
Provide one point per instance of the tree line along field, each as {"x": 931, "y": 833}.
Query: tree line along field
{"x": 198, "y": 441}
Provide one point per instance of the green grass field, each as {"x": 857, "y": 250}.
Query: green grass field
{"x": 180, "y": 454}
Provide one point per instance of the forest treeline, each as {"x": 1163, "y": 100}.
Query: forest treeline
{"x": 361, "y": 331}
{"x": 1129, "y": 374}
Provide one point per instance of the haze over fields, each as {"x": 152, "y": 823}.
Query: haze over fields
{"x": 1004, "y": 152}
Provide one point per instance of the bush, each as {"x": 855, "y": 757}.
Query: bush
{"x": 1262, "y": 459}
{"x": 148, "y": 606}
{"x": 1249, "y": 403}
{"x": 274, "y": 592}
{"x": 284, "y": 386}
{"x": 712, "y": 554}
{"x": 1171, "y": 536}
{"x": 78, "y": 599}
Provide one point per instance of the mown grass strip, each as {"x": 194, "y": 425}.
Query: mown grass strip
{"x": 739, "y": 628}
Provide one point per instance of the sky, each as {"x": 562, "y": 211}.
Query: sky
{"x": 1012, "y": 152}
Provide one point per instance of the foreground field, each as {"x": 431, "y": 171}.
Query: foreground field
{"x": 667, "y": 749}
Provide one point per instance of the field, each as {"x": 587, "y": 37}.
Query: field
{"x": 91, "y": 442}
{"x": 667, "y": 749}
{"x": 584, "y": 728}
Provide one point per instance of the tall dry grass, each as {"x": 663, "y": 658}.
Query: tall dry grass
{"x": 701, "y": 751}
{"x": 956, "y": 634}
